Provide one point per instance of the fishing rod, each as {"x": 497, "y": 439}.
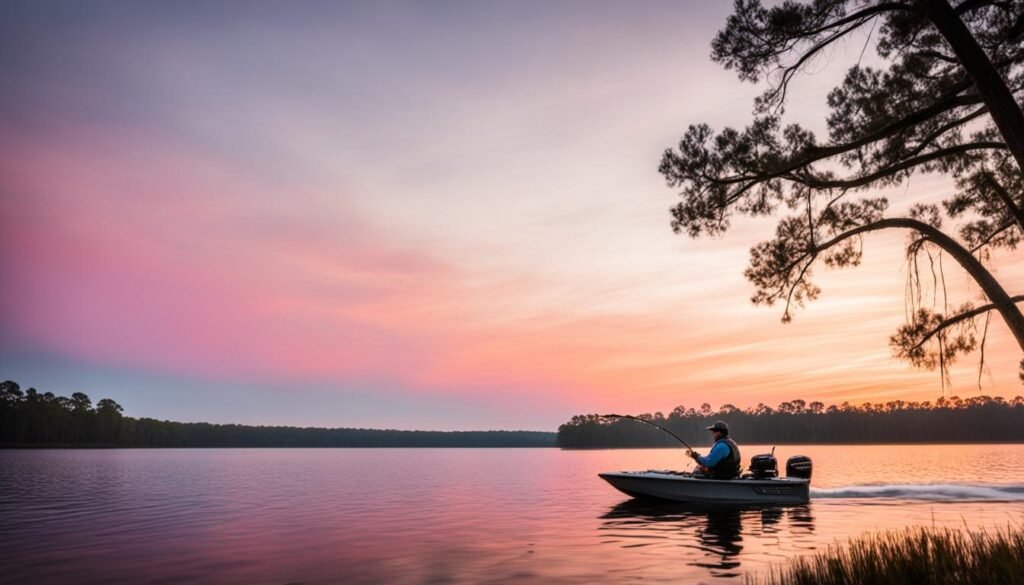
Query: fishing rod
{"x": 647, "y": 422}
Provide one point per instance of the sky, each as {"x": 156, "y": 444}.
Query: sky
{"x": 439, "y": 215}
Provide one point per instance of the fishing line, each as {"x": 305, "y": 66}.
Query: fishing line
{"x": 647, "y": 422}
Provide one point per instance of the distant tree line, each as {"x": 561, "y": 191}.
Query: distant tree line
{"x": 31, "y": 418}
{"x": 980, "y": 419}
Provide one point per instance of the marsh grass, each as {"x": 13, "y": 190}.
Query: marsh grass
{"x": 917, "y": 556}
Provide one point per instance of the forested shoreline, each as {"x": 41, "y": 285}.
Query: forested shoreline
{"x": 31, "y": 418}
{"x": 980, "y": 419}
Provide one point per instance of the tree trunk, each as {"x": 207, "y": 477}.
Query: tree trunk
{"x": 1005, "y": 111}
{"x": 989, "y": 285}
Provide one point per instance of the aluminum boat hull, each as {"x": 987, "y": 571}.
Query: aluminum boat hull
{"x": 679, "y": 487}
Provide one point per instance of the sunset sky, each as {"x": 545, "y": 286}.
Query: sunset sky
{"x": 439, "y": 215}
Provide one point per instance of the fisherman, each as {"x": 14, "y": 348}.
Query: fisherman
{"x": 723, "y": 462}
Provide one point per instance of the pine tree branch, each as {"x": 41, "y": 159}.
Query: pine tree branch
{"x": 947, "y": 323}
{"x": 1006, "y": 198}
{"x": 950, "y": 101}
{"x": 981, "y": 275}
{"x": 910, "y": 163}
{"x": 994, "y": 233}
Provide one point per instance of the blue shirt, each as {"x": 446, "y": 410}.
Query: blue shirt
{"x": 718, "y": 452}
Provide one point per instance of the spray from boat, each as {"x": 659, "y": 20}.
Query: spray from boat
{"x": 960, "y": 492}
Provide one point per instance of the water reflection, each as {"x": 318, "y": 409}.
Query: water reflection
{"x": 711, "y": 538}
{"x": 355, "y": 516}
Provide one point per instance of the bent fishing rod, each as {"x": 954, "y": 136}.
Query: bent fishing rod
{"x": 647, "y": 422}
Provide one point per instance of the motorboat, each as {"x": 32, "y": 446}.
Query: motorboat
{"x": 760, "y": 486}
{"x": 686, "y": 487}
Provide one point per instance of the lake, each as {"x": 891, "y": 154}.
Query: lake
{"x": 455, "y": 515}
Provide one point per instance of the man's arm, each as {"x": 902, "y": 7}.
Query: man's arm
{"x": 718, "y": 452}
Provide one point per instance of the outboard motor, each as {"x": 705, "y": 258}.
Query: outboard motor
{"x": 764, "y": 466}
{"x": 799, "y": 466}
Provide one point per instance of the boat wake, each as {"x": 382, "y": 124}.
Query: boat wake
{"x": 925, "y": 491}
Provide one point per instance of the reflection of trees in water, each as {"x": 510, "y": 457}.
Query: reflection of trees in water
{"x": 715, "y": 533}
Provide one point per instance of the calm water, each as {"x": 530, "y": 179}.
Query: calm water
{"x": 453, "y": 515}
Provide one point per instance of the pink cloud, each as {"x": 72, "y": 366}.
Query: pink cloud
{"x": 121, "y": 252}
{"x": 152, "y": 258}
